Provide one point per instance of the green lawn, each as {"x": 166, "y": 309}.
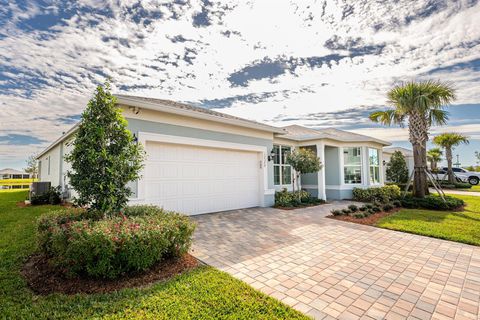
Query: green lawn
{"x": 473, "y": 188}
{"x": 461, "y": 226}
{"x": 204, "y": 293}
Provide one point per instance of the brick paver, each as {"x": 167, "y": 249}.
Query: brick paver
{"x": 328, "y": 268}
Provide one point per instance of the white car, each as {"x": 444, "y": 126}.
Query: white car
{"x": 462, "y": 175}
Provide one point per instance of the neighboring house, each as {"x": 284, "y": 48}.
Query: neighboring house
{"x": 407, "y": 153}
{"x": 9, "y": 173}
{"x": 200, "y": 161}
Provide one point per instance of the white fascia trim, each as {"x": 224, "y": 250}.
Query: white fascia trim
{"x": 198, "y": 115}
{"x": 147, "y": 136}
{"x": 61, "y": 139}
{"x": 309, "y": 186}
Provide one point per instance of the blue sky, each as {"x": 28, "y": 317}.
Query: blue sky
{"x": 314, "y": 63}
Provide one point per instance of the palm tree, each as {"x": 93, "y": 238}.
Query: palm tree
{"x": 434, "y": 155}
{"x": 449, "y": 141}
{"x": 422, "y": 105}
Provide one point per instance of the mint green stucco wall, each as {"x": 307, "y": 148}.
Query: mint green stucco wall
{"x": 331, "y": 166}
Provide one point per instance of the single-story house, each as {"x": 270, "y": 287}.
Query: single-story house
{"x": 200, "y": 161}
{"x": 407, "y": 153}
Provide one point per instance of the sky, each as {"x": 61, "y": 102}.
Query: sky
{"x": 315, "y": 63}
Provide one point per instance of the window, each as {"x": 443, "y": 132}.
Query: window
{"x": 374, "y": 164}
{"x": 352, "y": 165}
{"x": 282, "y": 172}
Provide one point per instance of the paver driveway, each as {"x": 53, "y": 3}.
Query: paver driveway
{"x": 333, "y": 269}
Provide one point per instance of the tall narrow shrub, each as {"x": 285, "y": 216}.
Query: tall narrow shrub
{"x": 105, "y": 156}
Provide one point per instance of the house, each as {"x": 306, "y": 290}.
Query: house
{"x": 407, "y": 153}
{"x": 199, "y": 160}
{"x": 9, "y": 173}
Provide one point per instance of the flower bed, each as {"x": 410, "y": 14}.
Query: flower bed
{"x": 85, "y": 243}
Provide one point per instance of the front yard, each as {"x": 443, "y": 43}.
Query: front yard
{"x": 204, "y": 293}
{"x": 462, "y": 226}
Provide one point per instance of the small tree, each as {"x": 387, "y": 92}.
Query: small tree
{"x": 32, "y": 166}
{"x": 434, "y": 155}
{"x": 477, "y": 155}
{"x": 449, "y": 141}
{"x": 397, "y": 170}
{"x": 303, "y": 161}
{"x": 105, "y": 156}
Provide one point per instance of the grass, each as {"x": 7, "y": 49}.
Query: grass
{"x": 204, "y": 293}
{"x": 473, "y": 188}
{"x": 461, "y": 226}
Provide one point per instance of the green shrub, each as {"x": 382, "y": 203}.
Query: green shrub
{"x": 376, "y": 209}
{"x": 388, "y": 207}
{"x": 337, "y": 212}
{"x": 359, "y": 215}
{"x": 363, "y": 208}
{"x": 82, "y": 243}
{"x": 52, "y": 196}
{"x": 397, "y": 203}
{"x": 433, "y": 202}
{"x": 377, "y": 194}
{"x": 353, "y": 208}
{"x": 346, "y": 211}
{"x": 369, "y": 206}
{"x": 462, "y": 185}
{"x": 288, "y": 199}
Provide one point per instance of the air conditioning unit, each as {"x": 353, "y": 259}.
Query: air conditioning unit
{"x": 39, "y": 188}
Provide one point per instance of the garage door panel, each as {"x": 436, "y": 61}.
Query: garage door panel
{"x": 195, "y": 180}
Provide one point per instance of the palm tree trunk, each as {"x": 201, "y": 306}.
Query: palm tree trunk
{"x": 419, "y": 178}
{"x": 418, "y": 136}
{"x": 448, "y": 154}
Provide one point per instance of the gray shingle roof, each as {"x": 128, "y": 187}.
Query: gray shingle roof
{"x": 299, "y": 133}
{"x": 194, "y": 109}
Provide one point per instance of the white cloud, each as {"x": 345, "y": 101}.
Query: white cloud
{"x": 141, "y": 56}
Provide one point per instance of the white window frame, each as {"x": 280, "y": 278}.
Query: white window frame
{"x": 370, "y": 181}
{"x": 282, "y": 165}
{"x": 360, "y": 165}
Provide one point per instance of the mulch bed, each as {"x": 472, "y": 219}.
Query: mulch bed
{"x": 44, "y": 279}
{"x": 370, "y": 220}
{"x": 300, "y": 206}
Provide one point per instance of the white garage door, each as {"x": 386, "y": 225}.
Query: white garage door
{"x": 196, "y": 180}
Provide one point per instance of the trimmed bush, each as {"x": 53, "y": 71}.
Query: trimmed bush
{"x": 359, "y": 215}
{"x": 346, "y": 211}
{"x": 363, "y": 208}
{"x": 432, "y": 202}
{"x": 337, "y": 212}
{"x": 376, "y": 209}
{"x": 289, "y": 199}
{"x": 353, "y": 208}
{"x": 81, "y": 243}
{"x": 383, "y": 194}
{"x": 388, "y": 207}
{"x": 397, "y": 203}
{"x": 369, "y": 206}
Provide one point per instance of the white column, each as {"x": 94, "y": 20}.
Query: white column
{"x": 381, "y": 169}
{"x": 365, "y": 167}
{"x": 341, "y": 172}
{"x": 321, "y": 173}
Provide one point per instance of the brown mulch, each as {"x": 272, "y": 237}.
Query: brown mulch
{"x": 371, "y": 220}
{"x": 300, "y": 207}
{"x": 22, "y": 204}
{"x": 44, "y": 279}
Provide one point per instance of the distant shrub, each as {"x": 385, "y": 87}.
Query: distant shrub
{"x": 377, "y": 194}
{"x": 346, "y": 211}
{"x": 363, "y": 208}
{"x": 80, "y": 242}
{"x": 359, "y": 215}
